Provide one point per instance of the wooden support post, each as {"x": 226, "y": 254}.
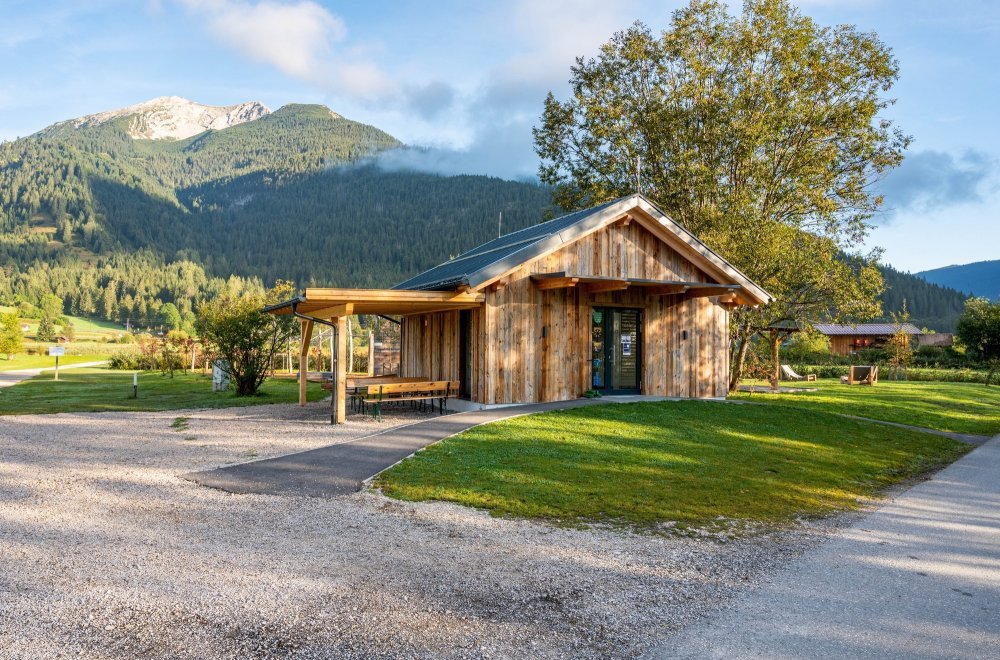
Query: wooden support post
{"x": 305, "y": 336}
{"x": 371, "y": 353}
{"x": 340, "y": 402}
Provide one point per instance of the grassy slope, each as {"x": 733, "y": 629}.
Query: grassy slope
{"x": 690, "y": 462}
{"x": 45, "y": 362}
{"x": 99, "y": 390}
{"x": 956, "y": 407}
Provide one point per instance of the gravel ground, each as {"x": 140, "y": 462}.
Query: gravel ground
{"x": 106, "y": 553}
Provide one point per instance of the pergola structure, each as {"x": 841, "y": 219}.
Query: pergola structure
{"x": 333, "y": 306}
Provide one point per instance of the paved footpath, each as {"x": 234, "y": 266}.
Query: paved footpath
{"x": 10, "y": 378}
{"x": 918, "y": 579}
{"x": 343, "y": 468}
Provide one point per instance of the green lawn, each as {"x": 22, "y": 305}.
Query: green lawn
{"x": 45, "y": 362}
{"x": 98, "y": 390}
{"x": 956, "y": 407}
{"x": 691, "y": 462}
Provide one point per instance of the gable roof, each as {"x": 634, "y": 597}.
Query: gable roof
{"x": 499, "y": 256}
{"x": 834, "y": 329}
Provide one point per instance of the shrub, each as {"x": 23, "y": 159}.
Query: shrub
{"x": 914, "y": 373}
{"x": 126, "y": 361}
{"x": 811, "y": 347}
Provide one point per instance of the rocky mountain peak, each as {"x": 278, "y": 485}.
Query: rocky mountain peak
{"x": 176, "y": 118}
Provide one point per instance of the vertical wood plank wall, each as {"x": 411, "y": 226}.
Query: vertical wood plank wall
{"x": 513, "y": 362}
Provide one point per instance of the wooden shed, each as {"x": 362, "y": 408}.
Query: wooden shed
{"x": 618, "y": 298}
{"x": 846, "y": 338}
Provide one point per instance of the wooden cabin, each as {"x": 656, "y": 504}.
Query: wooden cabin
{"x": 618, "y": 299}
{"x": 845, "y": 339}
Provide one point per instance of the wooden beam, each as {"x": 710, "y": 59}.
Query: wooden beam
{"x": 305, "y": 336}
{"x": 339, "y": 296}
{"x": 339, "y": 414}
{"x": 333, "y": 311}
{"x": 707, "y": 291}
{"x": 626, "y": 221}
{"x": 547, "y": 283}
{"x": 610, "y": 285}
{"x": 665, "y": 290}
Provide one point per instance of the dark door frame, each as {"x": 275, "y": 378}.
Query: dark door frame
{"x": 611, "y": 342}
{"x": 464, "y": 357}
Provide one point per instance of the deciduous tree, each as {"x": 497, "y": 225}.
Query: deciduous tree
{"x": 979, "y": 329}
{"x": 237, "y": 331}
{"x": 762, "y": 133}
{"x": 11, "y": 338}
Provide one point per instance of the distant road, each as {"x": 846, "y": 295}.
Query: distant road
{"x": 9, "y": 378}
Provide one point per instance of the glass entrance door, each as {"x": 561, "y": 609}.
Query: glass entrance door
{"x": 616, "y": 340}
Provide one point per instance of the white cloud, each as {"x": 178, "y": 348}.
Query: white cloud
{"x": 299, "y": 38}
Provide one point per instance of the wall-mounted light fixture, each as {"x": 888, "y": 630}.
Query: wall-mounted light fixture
{"x": 545, "y": 331}
{"x": 684, "y": 335}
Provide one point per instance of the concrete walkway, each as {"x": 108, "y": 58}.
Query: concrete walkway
{"x": 11, "y": 378}
{"x": 342, "y": 468}
{"x": 918, "y": 579}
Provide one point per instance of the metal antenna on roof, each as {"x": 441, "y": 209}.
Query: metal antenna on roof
{"x": 499, "y": 225}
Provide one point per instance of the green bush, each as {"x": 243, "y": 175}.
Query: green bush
{"x": 131, "y": 361}
{"x": 913, "y": 373}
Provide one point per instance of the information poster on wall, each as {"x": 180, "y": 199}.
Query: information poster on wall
{"x": 626, "y": 346}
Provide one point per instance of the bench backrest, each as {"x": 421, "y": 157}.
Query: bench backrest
{"x": 364, "y": 381}
{"x": 424, "y": 387}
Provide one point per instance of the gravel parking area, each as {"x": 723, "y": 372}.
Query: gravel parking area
{"x": 106, "y": 553}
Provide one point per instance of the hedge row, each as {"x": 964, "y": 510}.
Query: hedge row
{"x": 913, "y": 373}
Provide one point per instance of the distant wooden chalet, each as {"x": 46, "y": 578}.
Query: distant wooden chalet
{"x": 618, "y": 298}
{"x": 847, "y": 338}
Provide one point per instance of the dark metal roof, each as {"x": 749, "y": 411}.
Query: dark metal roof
{"x": 866, "y": 328}
{"x": 456, "y": 272}
{"x": 501, "y": 255}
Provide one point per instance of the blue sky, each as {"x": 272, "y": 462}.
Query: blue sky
{"x": 468, "y": 80}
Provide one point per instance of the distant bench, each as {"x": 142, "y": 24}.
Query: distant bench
{"x": 417, "y": 391}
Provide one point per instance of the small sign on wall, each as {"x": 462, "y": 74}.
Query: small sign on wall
{"x": 626, "y": 346}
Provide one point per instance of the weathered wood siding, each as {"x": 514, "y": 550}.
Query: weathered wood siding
{"x": 847, "y": 344}
{"x": 513, "y": 362}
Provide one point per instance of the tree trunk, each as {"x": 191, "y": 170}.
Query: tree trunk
{"x": 736, "y": 368}
{"x": 775, "y": 338}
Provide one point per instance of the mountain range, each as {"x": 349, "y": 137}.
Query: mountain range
{"x": 979, "y": 279}
{"x": 97, "y": 208}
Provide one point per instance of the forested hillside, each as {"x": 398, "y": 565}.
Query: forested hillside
{"x": 117, "y": 226}
{"x": 94, "y": 215}
{"x": 930, "y": 305}
{"x": 981, "y": 278}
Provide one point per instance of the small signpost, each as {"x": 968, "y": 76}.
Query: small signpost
{"x": 57, "y": 351}
{"x": 135, "y": 384}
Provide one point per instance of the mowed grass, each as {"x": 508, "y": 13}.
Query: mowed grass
{"x": 101, "y": 390}
{"x": 691, "y": 462}
{"x": 20, "y": 362}
{"x": 956, "y": 407}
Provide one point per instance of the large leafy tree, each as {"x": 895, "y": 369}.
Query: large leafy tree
{"x": 237, "y": 331}
{"x": 979, "y": 329}
{"x": 761, "y": 132}
{"x": 11, "y": 337}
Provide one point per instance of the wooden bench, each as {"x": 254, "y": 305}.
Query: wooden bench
{"x": 431, "y": 390}
{"x": 357, "y": 386}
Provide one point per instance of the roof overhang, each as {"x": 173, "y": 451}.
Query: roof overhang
{"x": 731, "y": 293}
{"x": 642, "y": 210}
{"x": 333, "y": 303}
